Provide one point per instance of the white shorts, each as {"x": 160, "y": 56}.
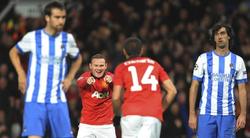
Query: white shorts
{"x": 134, "y": 126}
{"x": 96, "y": 131}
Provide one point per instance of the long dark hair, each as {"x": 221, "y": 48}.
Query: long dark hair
{"x": 229, "y": 30}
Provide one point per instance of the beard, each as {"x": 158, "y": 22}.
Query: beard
{"x": 221, "y": 46}
{"x": 59, "y": 28}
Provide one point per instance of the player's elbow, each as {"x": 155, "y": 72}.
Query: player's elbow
{"x": 173, "y": 91}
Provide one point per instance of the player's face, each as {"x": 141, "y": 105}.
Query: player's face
{"x": 56, "y": 20}
{"x": 98, "y": 67}
{"x": 221, "y": 38}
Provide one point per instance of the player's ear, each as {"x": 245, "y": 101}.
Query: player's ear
{"x": 90, "y": 66}
{"x": 125, "y": 53}
{"x": 142, "y": 51}
{"x": 46, "y": 17}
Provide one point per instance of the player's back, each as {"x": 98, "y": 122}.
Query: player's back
{"x": 140, "y": 78}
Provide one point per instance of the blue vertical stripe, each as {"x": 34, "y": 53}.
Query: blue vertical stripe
{"x": 232, "y": 74}
{"x": 209, "y": 88}
{"x": 220, "y": 84}
{"x": 63, "y": 55}
{"x": 38, "y": 38}
{"x": 51, "y": 63}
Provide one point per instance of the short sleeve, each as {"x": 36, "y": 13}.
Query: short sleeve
{"x": 198, "y": 70}
{"x": 73, "y": 50}
{"x": 162, "y": 73}
{"x": 241, "y": 75}
{"x": 25, "y": 44}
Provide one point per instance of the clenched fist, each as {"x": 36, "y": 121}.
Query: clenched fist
{"x": 108, "y": 78}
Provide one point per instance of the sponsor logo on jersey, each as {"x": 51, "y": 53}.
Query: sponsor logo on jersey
{"x": 220, "y": 77}
{"x": 100, "y": 95}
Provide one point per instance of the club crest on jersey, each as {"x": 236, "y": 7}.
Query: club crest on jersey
{"x": 231, "y": 65}
{"x": 62, "y": 46}
{"x": 195, "y": 67}
{"x": 100, "y": 95}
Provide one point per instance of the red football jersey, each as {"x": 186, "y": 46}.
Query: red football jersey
{"x": 141, "y": 78}
{"x": 96, "y": 100}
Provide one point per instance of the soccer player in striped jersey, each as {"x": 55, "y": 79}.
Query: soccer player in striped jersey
{"x": 96, "y": 87}
{"x": 141, "y": 102}
{"x": 218, "y": 71}
{"x": 47, "y": 78}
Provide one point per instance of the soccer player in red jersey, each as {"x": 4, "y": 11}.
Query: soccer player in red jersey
{"x": 96, "y": 94}
{"x": 137, "y": 93}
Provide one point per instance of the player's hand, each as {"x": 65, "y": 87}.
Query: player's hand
{"x": 22, "y": 83}
{"x": 192, "y": 122}
{"x": 241, "y": 122}
{"x": 90, "y": 80}
{"x": 66, "y": 84}
{"x": 108, "y": 78}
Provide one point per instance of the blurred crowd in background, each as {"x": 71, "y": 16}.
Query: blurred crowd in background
{"x": 175, "y": 32}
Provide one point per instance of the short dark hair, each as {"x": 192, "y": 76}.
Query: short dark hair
{"x": 229, "y": 31}
{"x": 52, "y": 5}
{"x": 98, "y": 56}
{"x": 133, "y": 46}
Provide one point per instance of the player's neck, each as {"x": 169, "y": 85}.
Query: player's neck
{"x": 50, "y": 31}
{"x": 222, "y": 52}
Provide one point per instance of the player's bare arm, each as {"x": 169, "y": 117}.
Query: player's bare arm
{"x": 116, "y": 99}
{"x": 192, "y": 99}
{"x": 15, "y": 59}
{"x": 73, "y": 69}
{"x": 241, "y": 120}
{"x": 171, "y": 92}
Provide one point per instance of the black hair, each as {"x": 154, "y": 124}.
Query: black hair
{"x": 133, "y": 46}
{"x": 229, "y": 31}
{"x": 55, "y": 4}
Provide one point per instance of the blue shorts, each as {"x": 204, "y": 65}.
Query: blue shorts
{"x": 38, "y": 117}
{"x": 218, "y": 126}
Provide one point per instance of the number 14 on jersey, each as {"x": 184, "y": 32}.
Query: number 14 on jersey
{"x": 147, "y": 78}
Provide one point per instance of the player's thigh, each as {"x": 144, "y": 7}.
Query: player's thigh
{"x": 59, "y": 120}
{"x": 207, "y": 127}
{"x": 226, "y": 126}
{"x": 105, "y": 131}
{"x": 130, "y": 126}
{"x": 151, "y": 128}
{"x": 96, "y": 131}
{"x": 34, "y": 112}
{"x": 85, "y": 131}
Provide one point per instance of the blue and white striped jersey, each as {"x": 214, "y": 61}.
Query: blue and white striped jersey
{"x": 218, "y": 75}
{"x": 47, "y": 64}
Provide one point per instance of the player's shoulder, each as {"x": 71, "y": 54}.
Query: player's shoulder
{"x": 86, "y": 74}
{"x": 204, "y": 55}
{"x": 31, "y": 34}
{"x": 238, "y": 57}
{"x": 69, "y": 35}
{"x": 234, "y": 54}
{"x": 151, "y": 61}
{"x": 120, "y": 66}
